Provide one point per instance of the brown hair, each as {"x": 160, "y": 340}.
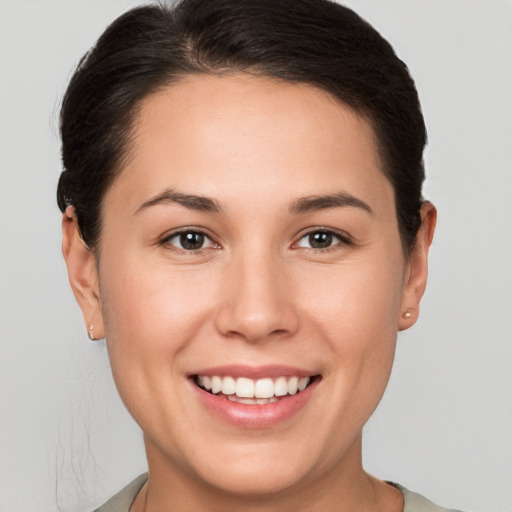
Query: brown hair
{"x": 316, "y": 42}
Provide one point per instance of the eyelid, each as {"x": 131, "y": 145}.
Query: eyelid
{"x": 165, "y": 239}
{"x": 345, "y": 238}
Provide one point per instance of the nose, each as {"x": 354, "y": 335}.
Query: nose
{"x": 257, "y": 300}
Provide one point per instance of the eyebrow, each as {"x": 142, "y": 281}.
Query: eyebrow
{"x": 192, "y": 202}
{"x": 301, "y": 205}
{"x": 323, "y": 202}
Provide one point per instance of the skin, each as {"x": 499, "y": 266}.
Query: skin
{"x": 256, "y": 294}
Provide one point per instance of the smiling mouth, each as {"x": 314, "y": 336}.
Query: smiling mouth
{"x": 248, "y": 391}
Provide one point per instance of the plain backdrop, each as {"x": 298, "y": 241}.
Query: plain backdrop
{"x": 444, "y": 427}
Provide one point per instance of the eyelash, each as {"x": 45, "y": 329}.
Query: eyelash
{"x": 342, "y": 238}
{"x": 167, "y": 240}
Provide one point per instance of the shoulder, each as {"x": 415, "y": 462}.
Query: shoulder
{"x": 414, "y": 502}
{"x": 122, "y": 501}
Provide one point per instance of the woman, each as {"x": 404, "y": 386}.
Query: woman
{"x": 243, "y": 222}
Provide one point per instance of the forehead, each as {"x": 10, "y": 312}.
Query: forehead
{"x": 221, "y": 136}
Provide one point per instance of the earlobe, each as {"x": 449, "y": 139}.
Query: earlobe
{"x": 417, "y": 268}
{"x": 82, "y": 273}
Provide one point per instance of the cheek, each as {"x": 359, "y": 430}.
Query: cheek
{"x": 151, "y": 314}
{"x": 357, "y": 300}
{"x": 355, "y": 313}
{"x": 150, "y": 308}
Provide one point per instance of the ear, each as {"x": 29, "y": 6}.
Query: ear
{"x": 417, "y": 268}
{"x": 83, "y": 274}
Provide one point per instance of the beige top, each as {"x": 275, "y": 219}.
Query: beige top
{"x": 122, "y": 501}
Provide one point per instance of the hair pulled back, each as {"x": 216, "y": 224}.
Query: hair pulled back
{"x": 316, "y": 42}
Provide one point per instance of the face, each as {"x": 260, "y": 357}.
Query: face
{"x": 250, "y": 245}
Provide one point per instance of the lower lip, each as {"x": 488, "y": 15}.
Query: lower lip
{"x": 255, "y": 416}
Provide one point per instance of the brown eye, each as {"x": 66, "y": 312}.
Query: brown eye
{"x": 190, "y": 241}
{"x": 319, "y": 240}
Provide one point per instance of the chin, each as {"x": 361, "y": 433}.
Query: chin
{"x": 257, "y": 480}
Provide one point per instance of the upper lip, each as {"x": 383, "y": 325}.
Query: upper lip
{"x": 254, "y": 372}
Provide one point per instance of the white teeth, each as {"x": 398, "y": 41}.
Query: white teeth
{"x": 293, "y": 385}
{"x": 244, "y": 387}
{"x": 281, "y": 386}
{"x": 216, "y": 384}
{"x": 252, "y": 401}
{"x": 246, "y": 401}
{"x": 303, "y": 382}
{"x": 228, "y": 386}
{"x": 264, "y": 388}
{"x": 245, "y": 390}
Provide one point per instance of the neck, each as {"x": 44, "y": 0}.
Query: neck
{"x": 344, "y": 487}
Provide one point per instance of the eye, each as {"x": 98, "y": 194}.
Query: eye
{"x": 189, "y": 240}
{"x": 321, "y": 239}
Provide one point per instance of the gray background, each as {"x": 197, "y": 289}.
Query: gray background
{"x": 444, "y": 427}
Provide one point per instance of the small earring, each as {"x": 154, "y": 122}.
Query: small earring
{"x": 407, "y": 314}
{"x": 90, "y": 333}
